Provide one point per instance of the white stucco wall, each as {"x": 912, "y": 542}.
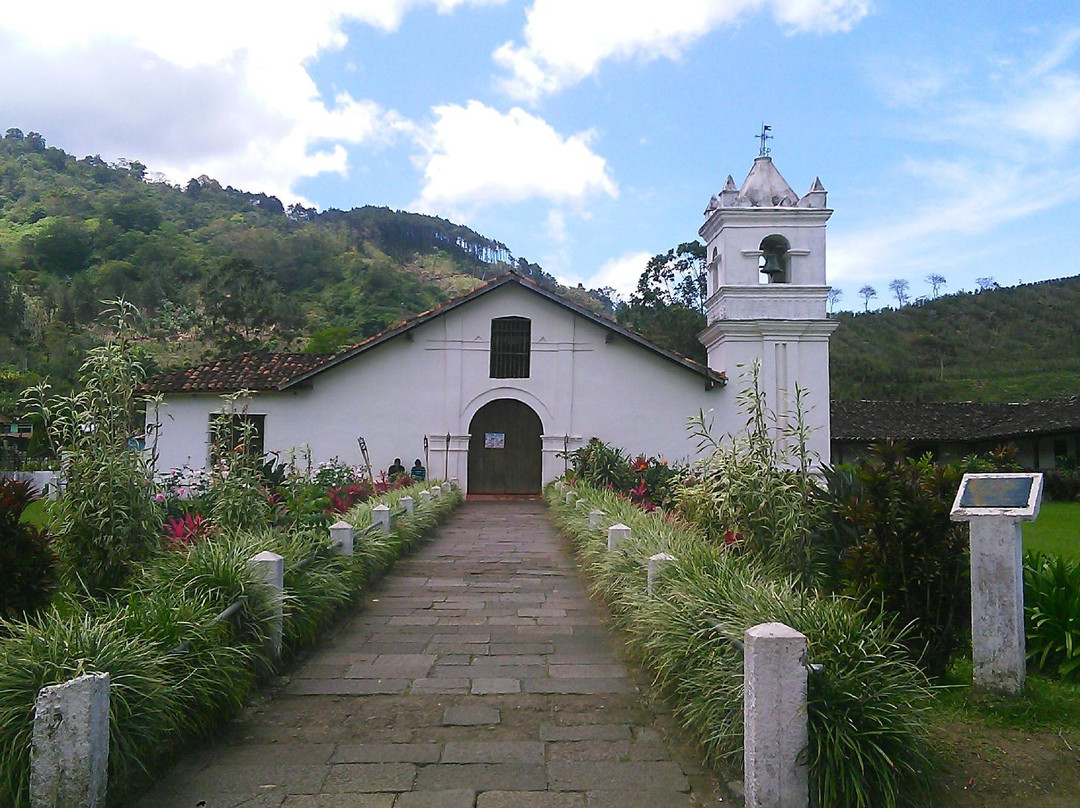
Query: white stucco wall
{"x": 432, "y": 379}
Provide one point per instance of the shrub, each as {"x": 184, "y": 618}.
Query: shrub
{"x": 890, "y": 542}
{"x": 868, "y": 743}
{"x": 27, "y": 561}
{"x": 1052, "y": 614}
{"x": 600, "y": 465}
{"x": 749, "y": 491}
{"x": 1062, "y": 484}
{"x": 107, "y": 519}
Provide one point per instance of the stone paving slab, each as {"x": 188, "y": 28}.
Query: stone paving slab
{"x": 477, "y": 675}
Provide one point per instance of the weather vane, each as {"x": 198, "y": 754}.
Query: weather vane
{"x": 764, "y": 137}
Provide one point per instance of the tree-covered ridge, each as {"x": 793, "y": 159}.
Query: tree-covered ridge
{"x": 1015, "y": 343}
{"x": 211, "y": 269}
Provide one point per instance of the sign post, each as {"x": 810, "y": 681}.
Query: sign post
{"x": 994, "y": 505}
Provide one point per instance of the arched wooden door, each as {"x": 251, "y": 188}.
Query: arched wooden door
{"x": 505, "y": 450}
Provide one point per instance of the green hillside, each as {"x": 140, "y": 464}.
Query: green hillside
{"x": 213, "y": 270}
{"x": 1010, "y": 344}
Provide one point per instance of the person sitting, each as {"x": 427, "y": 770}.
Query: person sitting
{"x": 418, "y": 472}
{"x": 395, "y": 470}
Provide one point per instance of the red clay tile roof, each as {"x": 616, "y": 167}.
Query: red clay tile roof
{"x": 871, "y": 421}
{"x": 246, "y": 371}
{"x": 276, "y": 371}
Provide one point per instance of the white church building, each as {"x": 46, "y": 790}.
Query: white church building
{"x": 493, "y": 386}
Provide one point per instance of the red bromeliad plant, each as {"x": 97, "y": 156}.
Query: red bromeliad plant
{"x": 187, "y": 530}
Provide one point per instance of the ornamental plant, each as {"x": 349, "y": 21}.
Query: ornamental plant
{"x": 107, "y": 519}
{"x": 27, "y": 560}
{"x": 1052, "y": 614}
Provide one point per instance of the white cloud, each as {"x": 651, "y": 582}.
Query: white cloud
{"x": 202, "y": 87}
{"x": 476, "y": 156}
{"x": 620, "y": 273}
{"x": 567, "y": 40}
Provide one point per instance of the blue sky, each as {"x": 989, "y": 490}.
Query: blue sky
{"x": 589, "y": 135}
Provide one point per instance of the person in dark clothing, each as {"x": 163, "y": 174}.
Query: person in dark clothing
{"x": 395, "y": 470}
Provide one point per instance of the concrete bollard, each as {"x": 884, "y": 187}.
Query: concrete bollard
{"x": 436, "y": 491}
{"x": 380, "y": 515}
{"x": 560, "y": 486}
{"x": 774, "y": 713}
{"x": 570, "y": 497}
{"x": 269, "y": 569}
{"x": 342, "y": 536}
{"x": 453, "y": 483}
{"x": 69, "y": 757}
{"x": 595, "y": 515}
{"x": 616, "y": 534}
{"x": 425, "y": 496}
{"x": 656, "y": 565}
{"x": 408, "y": 504}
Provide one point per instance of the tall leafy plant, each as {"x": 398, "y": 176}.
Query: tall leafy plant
{"x": 756, "y": 490}
{"x": 890, "y": 542}
{"x": 27, "y": 561}
{"x": 107, "y": 518}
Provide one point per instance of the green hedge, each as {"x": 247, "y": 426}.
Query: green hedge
{"x": 867, "y": 708}
{"x": 160, "y": 698}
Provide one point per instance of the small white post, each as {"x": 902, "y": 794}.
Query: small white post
{"x": 656, "y": 564}
{"x": 269, "y": 568}
{"x": 560, "y": 486}
{"x": 595, "y": 515}
{"x": 453, "y": 482}
{"x": 425, "y": 496}
{"x": 616, "y": 534}
{"x": 408, "y": 504}
{"x": 342, "y": 536}
{"x": 436, "y": 491}
{"x": 774, "y": 714}
{"x": 380, "y": 515}
{"x": 69, "y": 756}
{"x": 570, "y": 497}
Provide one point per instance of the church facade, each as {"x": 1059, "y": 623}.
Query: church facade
{"x": 494, "y": 387}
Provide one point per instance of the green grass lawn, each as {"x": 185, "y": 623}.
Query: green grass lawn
{"x": 35, "y": 514}
{"x": 1056, "y": 531}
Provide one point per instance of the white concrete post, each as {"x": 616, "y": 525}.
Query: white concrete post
{"x": 269, "y": 569}
{"x": 774, "y": 713}
{"x": 453, "y": 482}
{"x": 408, "y": 504}
{"x": 69, "y": 756}
{"x": 570, "y": 497}
{"x": 342, "y": 536}
{"x": 616, "y": 534}
{"x": 425, "y": 496}
{"x": 998, "y": 647}
{"x": 436, "y": 491}
{"x": 656, "y": 564}
{"x": 380, "y": 515}
{"x": 560, "y": 486}
{"x": 595, "y": 515}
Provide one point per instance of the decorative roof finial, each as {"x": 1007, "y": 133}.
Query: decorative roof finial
{"x": 764, "y": 150}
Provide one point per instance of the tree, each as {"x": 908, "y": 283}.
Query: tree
{"x": 833, "y": 297}
{"x": 986, "y": 284}
{"x": 899, "y": 288}
{"x": 867, "y": 292}
{"x": 245, "y": 308}
{"x": 936, "y": 281}
{"x": 668, "y": 306}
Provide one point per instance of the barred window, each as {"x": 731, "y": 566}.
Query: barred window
{"x": 511, "y": 338}
{"x": 237, "y": 433}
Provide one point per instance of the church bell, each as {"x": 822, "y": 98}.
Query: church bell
{"x": 772, "y": 266}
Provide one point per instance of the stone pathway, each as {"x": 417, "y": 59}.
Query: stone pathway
{"x": 479, "y": 675}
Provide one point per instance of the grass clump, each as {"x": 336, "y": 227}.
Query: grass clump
{"x": 867, "y": 709}
{"x": 176, "y": 670}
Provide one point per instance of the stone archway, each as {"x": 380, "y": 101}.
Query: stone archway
{"x": 505, "y": 449}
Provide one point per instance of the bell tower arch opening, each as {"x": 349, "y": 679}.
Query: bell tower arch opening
{"x": 775, "y": 261}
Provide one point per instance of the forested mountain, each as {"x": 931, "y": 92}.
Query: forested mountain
{"x": 1014, "y": 343}
{"x": 213, "y": 270}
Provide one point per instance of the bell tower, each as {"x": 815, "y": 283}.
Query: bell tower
{"x": 765, "y": 253}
